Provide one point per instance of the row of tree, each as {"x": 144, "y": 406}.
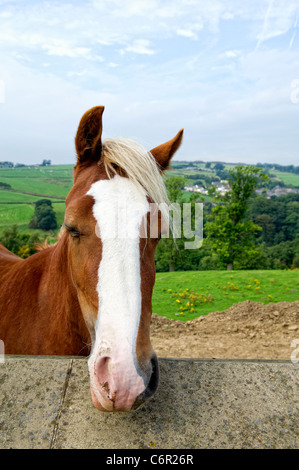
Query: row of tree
{"x": 241, "y": 229}
{"x": 276, "y": 166}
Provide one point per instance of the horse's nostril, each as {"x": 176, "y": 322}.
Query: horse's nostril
{"x": 154, "y": 380}
{"x": 152, "y": 385}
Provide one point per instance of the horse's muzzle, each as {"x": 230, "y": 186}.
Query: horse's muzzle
{"x": 112, "y": 391}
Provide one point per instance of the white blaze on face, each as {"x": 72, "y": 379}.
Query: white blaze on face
{"x": 119, "y": 208}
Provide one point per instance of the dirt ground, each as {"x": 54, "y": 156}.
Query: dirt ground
{"x": 248, "y": 330}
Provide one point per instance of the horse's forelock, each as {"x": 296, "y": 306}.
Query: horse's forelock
{"x": 128, "y": 158}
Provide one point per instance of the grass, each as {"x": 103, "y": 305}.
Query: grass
{"x": 42, "y": 182}
{"x": 287, "y": 178}
{"x": 176, "y": 294}
{"x": 59, "y": 211}
{"x": 54, "y": 181}
{"x": 15, "y": 214}
{"x": 38, "y": 186}
{"x": 7, "y": 197}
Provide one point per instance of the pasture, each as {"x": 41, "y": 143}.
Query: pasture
{"x": 287, "y": 178}
{"x": 190, "y": 294}
{"x": 28, "y": 185}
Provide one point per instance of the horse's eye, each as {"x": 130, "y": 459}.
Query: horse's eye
{"x": 74, "y": 232}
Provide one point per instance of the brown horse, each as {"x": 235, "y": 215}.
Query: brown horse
{"x": 90, "y": 293}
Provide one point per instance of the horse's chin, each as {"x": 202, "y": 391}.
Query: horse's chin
{"x": 108, "y": 406}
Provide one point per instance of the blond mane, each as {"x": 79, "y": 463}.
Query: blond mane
{"x": 127, "y": 157}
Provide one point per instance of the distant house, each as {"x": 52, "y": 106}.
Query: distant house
{"x": 196, "y": 189}
{"x": 221, "y": 186}
{"x": 279, "y": 191}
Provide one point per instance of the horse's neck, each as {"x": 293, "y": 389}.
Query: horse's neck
{"x": 58, "y": 288}
{"x": 41, "y": 313}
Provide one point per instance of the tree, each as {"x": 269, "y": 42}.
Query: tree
{"x": 169, "y": 250}
{"x": 268, "y": 228}
{"x": 278, "y": 216}
{"x": 22, "y": 244}
{"x": 228, "y": 230}
{"x": 5, "y": 185}
{"x": 171, "y": 253}
{"x": 44, "y": 216}
{"x": 10, "y": 239}
{"x": 219, "y": 167}
{"x": 46, "y": 163}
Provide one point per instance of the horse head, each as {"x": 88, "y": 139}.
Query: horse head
{"x": 111, "y": 258}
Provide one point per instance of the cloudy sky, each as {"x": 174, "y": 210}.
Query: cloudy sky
{"x": 227, "y": 71}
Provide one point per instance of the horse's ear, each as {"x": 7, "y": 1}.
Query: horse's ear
{"x": 88, "y": 139}
{"x": 164, "y": 152}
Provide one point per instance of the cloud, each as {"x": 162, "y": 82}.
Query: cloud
{"x": 156, "y": 66}
{"x": 278, "y": 19}
{"x": 71, "y": 29}
{"x": 231, "y": 54}
{"x": 190, "y": 31}
{"x": 140, "y": 46}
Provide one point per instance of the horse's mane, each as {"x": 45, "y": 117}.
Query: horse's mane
{"x": 128, "y": 158}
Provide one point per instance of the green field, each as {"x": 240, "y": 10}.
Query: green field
{"x": 11, "y": 214}
{"x": 52, "y": 181}
{"x": 287, "y": 178}
{"x": 30, "y": 184}
{"x": 210, "y": 291}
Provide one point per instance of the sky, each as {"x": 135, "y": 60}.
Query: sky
{"x": 227, "y": 71}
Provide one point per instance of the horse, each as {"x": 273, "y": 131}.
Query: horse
{"x": 90, "y": 293}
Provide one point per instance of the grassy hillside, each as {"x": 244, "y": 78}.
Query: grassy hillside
{"x": 287, "y": 178}
{"x": 51, "y": 181}
{"x": 190, "y": 294}
{"x": 28, "y": 185}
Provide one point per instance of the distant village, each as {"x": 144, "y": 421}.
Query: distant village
{"x": 223, "y": 187}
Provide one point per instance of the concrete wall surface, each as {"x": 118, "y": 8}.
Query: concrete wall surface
{"x": 45, "y": 402}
